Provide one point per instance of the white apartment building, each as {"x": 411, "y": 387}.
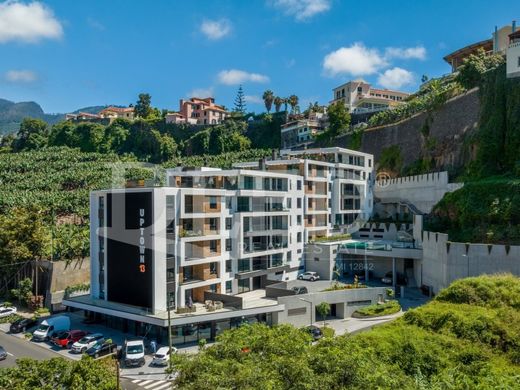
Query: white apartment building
{"x": 513, "y": 54}
{"x": 211, "y": 235}
{"x": 302, "y": 132}
{"x": 338, "y": 188}
{"x": 359, "y": 97}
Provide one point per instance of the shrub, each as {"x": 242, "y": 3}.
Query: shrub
{"x": 378, "y": 310}
{"x": 328, "y": 331}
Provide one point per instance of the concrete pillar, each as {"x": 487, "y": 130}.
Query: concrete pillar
{"x": 366, "y": 267}
{"x": 394, "y": 275}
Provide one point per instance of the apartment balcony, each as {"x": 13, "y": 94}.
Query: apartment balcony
{"x": 199, "y": 273}
{"x": 200, "y": 250}
{"x": 199, "y": 227}
{"x": 265, "y": 243}
{"x": 198, "y": 204}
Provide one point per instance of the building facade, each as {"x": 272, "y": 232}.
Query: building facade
{"x": 198, "y": 111}
{"x": 513, "y": 55}
{"x": 359, "y": 97}
{"x": 337, "y": 187}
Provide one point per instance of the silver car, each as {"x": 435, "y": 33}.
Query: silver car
{"x": 310, "y": 275}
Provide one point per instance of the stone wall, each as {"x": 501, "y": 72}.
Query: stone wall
{"x": 445, "y": 261}
{"x": 63, "y": 275}
{"x": 449, "y": 125}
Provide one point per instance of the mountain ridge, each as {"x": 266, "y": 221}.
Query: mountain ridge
{"x": 13, "y": 113}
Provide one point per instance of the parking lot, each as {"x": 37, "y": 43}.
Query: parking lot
{"x": 147, "y": 371}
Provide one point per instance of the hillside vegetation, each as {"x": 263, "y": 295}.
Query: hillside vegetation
{"x": 467, "y": 338}
{"x": 487, "y": 208}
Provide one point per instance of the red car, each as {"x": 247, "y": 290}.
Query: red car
{"x": 67, "y": 338}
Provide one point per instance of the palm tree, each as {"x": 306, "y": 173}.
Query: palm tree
{"x": 285, "y": 102}
{"x": 268, "y": 97}
{"x": 293, "y": 102}
{"x": 278, "y": 101}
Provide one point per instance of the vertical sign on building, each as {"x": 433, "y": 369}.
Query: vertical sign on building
{"x": 130, "y": 248}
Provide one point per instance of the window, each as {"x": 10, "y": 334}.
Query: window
{"x": 299, "y": 185}
{"x": 212, "y": 268}
{"x": 309, "y": 203}
{"x": 289, "y": 203}
{"x": 299, "y": 203}
{"x": 213, "y": 246}
{"x": 213, "y": 202}
{"x": 242, "y": 203}
{"x": 369, "y": 162}
{"x": 229, "y": 287}
{"x": 229, "y": 244}
{"x": 309, "y": 185}
{"x": 299, "y": 220}
{"x": 243, "y": 285}
{"x": 213, "y": 224}
{"x": 316, "y": 259}
{"x": 299, "y": 237}
{"x": 249, "y": 182}
{"x": 518, "y": 61}
{"x": 243, "y": 265}
{"x": 229, "y": 223}
{"x": 229, "y": 266}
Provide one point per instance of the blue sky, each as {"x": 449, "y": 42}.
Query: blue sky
{"x": 71, "y": 54}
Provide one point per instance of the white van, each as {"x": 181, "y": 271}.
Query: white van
{"x": 51, "y": 325}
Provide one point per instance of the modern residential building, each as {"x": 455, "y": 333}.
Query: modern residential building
{"x": 498, "y": 43}
{"x": 198, "y": 111}
{"x": 337, "y": 186}
{"x": 359, "y": 97}
{"x": 513, "y": 55}
{"x": 210, "y": 242}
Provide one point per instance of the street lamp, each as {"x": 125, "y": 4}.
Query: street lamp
{"x": 312, "y": 307}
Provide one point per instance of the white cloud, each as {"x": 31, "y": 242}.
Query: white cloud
{"x": 355, "y": 60}
{"x": 253, "y": 99}
{"x": 29, "y": 22}
{"x": 235, "y": 77}
{"x": 201, "y": 92}
{"x": 395, "y": 78}
{"x": 216, "y": 29}
{"x": 96, "y": 25}
{"x": 418, "y": 52}
{"x": 302, "y": 9}
{"x": 21, "y": 76}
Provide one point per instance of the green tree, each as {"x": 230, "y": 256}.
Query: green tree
{"x": 58, "y": 373}
{"x": 474, "y": 67}
{"x": 240, "y": 101}
{"x": 33, "y": 134}
{"x": 278, "y": 101}
{"x": 323, "y": 310}
{"x": 90, "y": 136}
{"x": 143, "y": 107}
{"x": 293, "y": 102}
{"x": 64, "y": 134}
{"x": 339, "y": 122}
{"x": 268, "y": 98}
{"x": 24, "y": 291}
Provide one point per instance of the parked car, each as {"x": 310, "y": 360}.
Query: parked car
{"x": 86, "y": 342}
{"x": 22, "y": 325}
{"x": 7, "y": 311}
{"x": 300, "y": 290}
{"x": 133, "y": 353}
{"x": 65, "y": 339}
{"x": 312, "y": 276}
{"x": 162, "y": 356}
{"x": 315, "y": 332}
{"x": 3, "y": 353}
{"x": 388, "y": 279}
{"x": 51, "y": 325}
{"x": 101, "y": 349}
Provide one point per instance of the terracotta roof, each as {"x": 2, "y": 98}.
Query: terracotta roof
{"x": 117, "y": 109}
{"x": 485, "y": 44}
{"x": 515, "y": 34}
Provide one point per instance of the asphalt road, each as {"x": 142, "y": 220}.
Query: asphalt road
{"x": 17, "y": 348}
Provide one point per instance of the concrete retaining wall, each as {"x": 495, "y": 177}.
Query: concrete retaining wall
{"x": 445, "y": 261}
{"x": 298, "y": 312}
{"x": 423, "y": 191}
{"x": 63, "y": 275}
